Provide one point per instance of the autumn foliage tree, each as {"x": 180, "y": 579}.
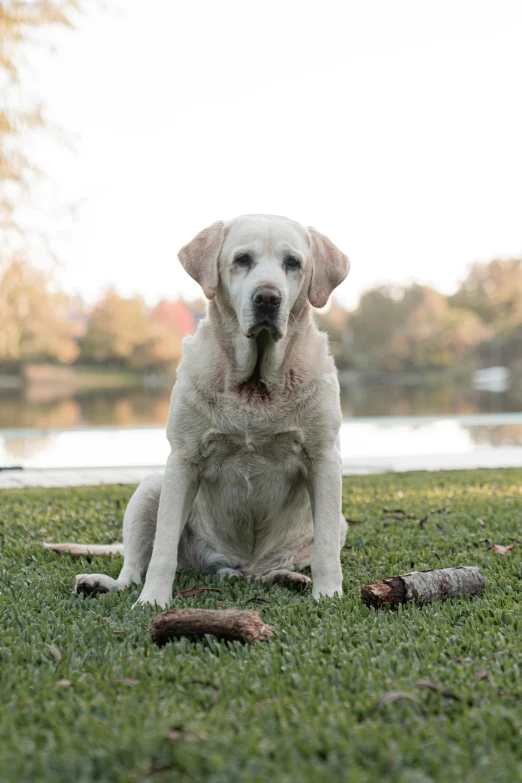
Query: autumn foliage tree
{"x": 407, "y": 329}
{"x": 124, "y": 332}
{"x": 118, "y": 328}
{"x": 494, "y": 292}
{"x": 34, "y": 323}
{"x": 21, "y": 115}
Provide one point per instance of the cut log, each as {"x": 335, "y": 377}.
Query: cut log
{"x": 232, "y": 625}
{"x": 420, "y": 587}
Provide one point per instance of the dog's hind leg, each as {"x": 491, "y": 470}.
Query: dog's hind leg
{"x": 139, "y": 528}
{"x": 290, "y": 580}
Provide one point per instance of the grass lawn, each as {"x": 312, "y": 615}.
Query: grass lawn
{"x": 301, "y": 707}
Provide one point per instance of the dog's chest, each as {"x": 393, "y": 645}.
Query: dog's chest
{"x": 252, "y": 453}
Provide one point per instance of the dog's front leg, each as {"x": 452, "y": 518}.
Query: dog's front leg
{"x": 325, "y": 487}
{"x": 178, "y": 493}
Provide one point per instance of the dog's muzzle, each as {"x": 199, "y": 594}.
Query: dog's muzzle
{"x": 266, "y": 304}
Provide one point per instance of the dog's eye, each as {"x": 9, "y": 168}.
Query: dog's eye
{"x": 292, "y": 262}
{"x": 244, "y": 260}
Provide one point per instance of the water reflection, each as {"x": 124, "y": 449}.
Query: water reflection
{"x": 43, "y": 408}
{"x": 405, "y": 443}
{"x": 48, "y": 407}
{"x": 385, "y": 427}
{"x": 428, "y": 400}
{"x": 499, "y": 435}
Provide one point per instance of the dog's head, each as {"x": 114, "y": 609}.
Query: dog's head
{"x": 264, "y": 268}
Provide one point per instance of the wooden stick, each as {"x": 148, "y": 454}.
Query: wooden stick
{"x": 79, "y": 550}
{"x": 423, "y": 586}
{"x": 233, "y": 625}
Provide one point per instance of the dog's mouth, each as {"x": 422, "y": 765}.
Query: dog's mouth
{"x": 265, "y": 329}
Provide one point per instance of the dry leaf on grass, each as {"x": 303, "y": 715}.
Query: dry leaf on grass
{"x": 257, "y": 601}
{"x": 435, "y": 688}
{"x": 391, "y": 696}
{"x": 499, "y": 549}
{"x": 197, "y": 590}
{"x": 62, "y": 683}
{"x": 55, "y": 651}
{"x": 480, "y": 676}
{"x": 178, "y": 733}
{"x": 502, "y": 550}
{"x": 353, "y": 521}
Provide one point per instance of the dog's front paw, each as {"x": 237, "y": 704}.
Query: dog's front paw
{"x": 153, "y": 599}
{"x": 90, "y": 584}
{"x": 326, "y": 589}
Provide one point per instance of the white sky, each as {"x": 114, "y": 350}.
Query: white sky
{"x": 395, "y": 127}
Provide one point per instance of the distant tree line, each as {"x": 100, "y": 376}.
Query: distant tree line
{"x": 40, "y": 323}
{"x": 417, "y": 328}
{"x": 414, "y": 328}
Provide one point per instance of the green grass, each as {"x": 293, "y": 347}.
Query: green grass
{"x": 298, "y": 708}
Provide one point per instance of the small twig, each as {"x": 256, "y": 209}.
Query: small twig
{"x": 190, "y": 591}
{"x": 430, "y": 513}
{"x": 435, "y": 688}
{"x": 395, "y": 512}
{"x": 257, "y": 601}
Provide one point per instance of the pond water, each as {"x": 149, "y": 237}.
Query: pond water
{"x": 50, "y": 407}
{"x": 386, "y": 428}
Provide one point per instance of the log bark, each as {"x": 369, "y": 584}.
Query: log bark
{"x": 423, "y": 586}
{"x": 232, "y": 625}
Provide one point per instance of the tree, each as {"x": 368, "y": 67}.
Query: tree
{"x": 494, "y": 292}
{"x": 118, "y": 329}
{"x": 374, "y": 324}
{"x": 34, "y": 317}
{"x": 20, "y": 115}
{"x": 412, "y": 328}
{"x": 336, "y": 322}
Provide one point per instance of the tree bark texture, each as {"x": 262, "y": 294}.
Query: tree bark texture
{"x": 420, "y": 587}
{"x": 232, "y": 625}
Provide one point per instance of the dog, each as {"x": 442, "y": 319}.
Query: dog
{"x": 252, "y": 486}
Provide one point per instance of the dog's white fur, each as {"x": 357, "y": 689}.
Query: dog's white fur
{"x": 252, "y": 486}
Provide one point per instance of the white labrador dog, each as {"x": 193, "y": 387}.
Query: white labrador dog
{"x": 252, "y": 486}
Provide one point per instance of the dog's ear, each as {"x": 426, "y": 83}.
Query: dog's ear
{"x": 329, "y": 268}
{"x": 200, "y": 257}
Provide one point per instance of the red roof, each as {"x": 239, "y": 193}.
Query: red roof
{"x": 175, "y": 313}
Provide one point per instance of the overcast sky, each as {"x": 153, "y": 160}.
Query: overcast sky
{"x": 393, "y": 127}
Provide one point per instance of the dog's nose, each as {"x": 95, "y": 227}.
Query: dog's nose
{"x": 266, "y": 298}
